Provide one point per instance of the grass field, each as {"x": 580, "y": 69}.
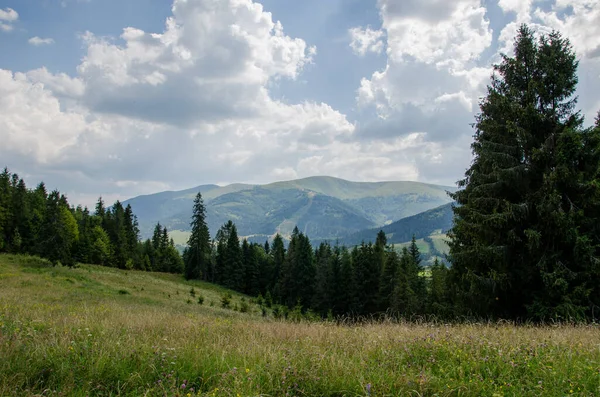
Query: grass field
{"x": 99, "y": 331}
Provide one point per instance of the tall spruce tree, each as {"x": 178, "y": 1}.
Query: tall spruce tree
{"x": 233, "y": 266}
{"x": 221, "y": 255}
{"x": 520, "y": 246}
{"x": 197, "y": 255}
{"x": 278, "y": 255}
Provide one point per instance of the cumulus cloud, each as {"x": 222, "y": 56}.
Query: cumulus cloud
{"x": 366, "y": 40}
{"x": 439, "y": 57}
{"x": 7, "y": 17}
{"x": 195, "y": 95}
{"x": 192, "y": 103}
{"x": 38, "y": 41}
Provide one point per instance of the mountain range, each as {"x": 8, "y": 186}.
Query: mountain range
{"x": 325, "y": 208}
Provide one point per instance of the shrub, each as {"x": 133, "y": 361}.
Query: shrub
{"x": 226, "y": 300}
{"x": 244, "y": 307}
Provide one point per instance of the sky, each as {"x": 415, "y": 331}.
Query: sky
{"x": 126, "y": 97}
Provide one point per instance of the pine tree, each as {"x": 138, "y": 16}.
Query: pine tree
{"x": 517, "y": 243}
{"x": 21, "y": 217}
{"x": 132, "y": 237}
{"x": 322, "y": 299}
{"x": 251, "y": 268}
{"x": 437, "y": 302}
{"x": 221, "y": 255}
{"x": 38, "y": 214}
{"x": 59, "y": 232}
{"x": 416, "y": 279}
{"x": 5, "y": 194}
{"x": 278, "y": 255}
{"x": 233, "y": 267}
{"x": 389, "y": 279}
{"x": 404, "y": 300}
{"x": 197, "y": 256}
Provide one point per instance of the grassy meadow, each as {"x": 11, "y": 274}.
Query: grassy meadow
{"x": 95, "y": 331}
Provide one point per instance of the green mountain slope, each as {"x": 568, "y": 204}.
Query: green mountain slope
{"x": 322, "y": 207}
{"x": 423, "y": 225}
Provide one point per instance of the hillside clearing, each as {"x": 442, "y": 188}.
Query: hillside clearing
{"x": 102, "y": 331}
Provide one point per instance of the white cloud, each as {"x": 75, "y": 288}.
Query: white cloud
{"x": 32, "y": 122}
{"x": 195, "y": 95}
{"x": 60, "y": 84}
{"x": 579, "y": 21}
{"x": 9, "y": 15}
{"x": 193, "y": 104}
{"x": 38, "y": 41}
{"x": 366, "y": 40}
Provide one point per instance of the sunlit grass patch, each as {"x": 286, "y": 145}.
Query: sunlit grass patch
{"x": 60, "y": 338}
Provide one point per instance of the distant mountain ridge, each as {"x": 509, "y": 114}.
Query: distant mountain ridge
{"x": 322, "y": 207}
{"x": 435, "y": 221}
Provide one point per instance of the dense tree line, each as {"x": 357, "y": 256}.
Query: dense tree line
{"x": 36, "y": 222}
{"x": 329, "y": 280}
{"x": 525, "y": 241}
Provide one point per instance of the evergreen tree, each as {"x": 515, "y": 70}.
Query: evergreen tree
{"x": 60, "y": 231}
{"x": 20, "y": 227}
{"x": 404, "y": 300}
{"x": 347, "y": 290}
{"x": 278, "y": 255}
{"x": 322, "y": 299}
{"x": 100, "y": 247}
{"x": 233, "y": 267}
{"x": 438, "y": 300}
{"x": 251, "y": 265}
{"x": 388, "y": 279}
{"x": 416, "y": 279}
{"x": 367, "y": 272}
{"x": 38, "y": 214}
{"x": 520, "y": 246}
{"x": 197, "y": 256}
{"x": 4, "y": 207}
{"x": 132, "y": 237}
{"x": 221, "y": 254}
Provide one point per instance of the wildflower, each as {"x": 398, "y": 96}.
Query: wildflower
{"x": 247, "y": 370}
{"x": 368, "y": 387}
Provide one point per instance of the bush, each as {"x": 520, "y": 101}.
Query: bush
{"x": 123, "y": 292}
{"x": 268, "y": 299}
{"x": 226, "y": 300}
{"x": 244, "y": 307}
{"x": 192, "y": 292}
{"x": 201, "y": 300}
{"x": 260, "y": 300}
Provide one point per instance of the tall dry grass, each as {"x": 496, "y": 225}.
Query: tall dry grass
{"x": 71, "y": 332}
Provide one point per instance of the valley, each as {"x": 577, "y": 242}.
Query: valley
{"x": 324, "y": 208}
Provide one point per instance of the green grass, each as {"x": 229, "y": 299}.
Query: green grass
{"x": 180, "y": 237}
{"x": 440, "y": 243}
{"x": 423, "y": 246}
{"x": 70, "y": 332}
